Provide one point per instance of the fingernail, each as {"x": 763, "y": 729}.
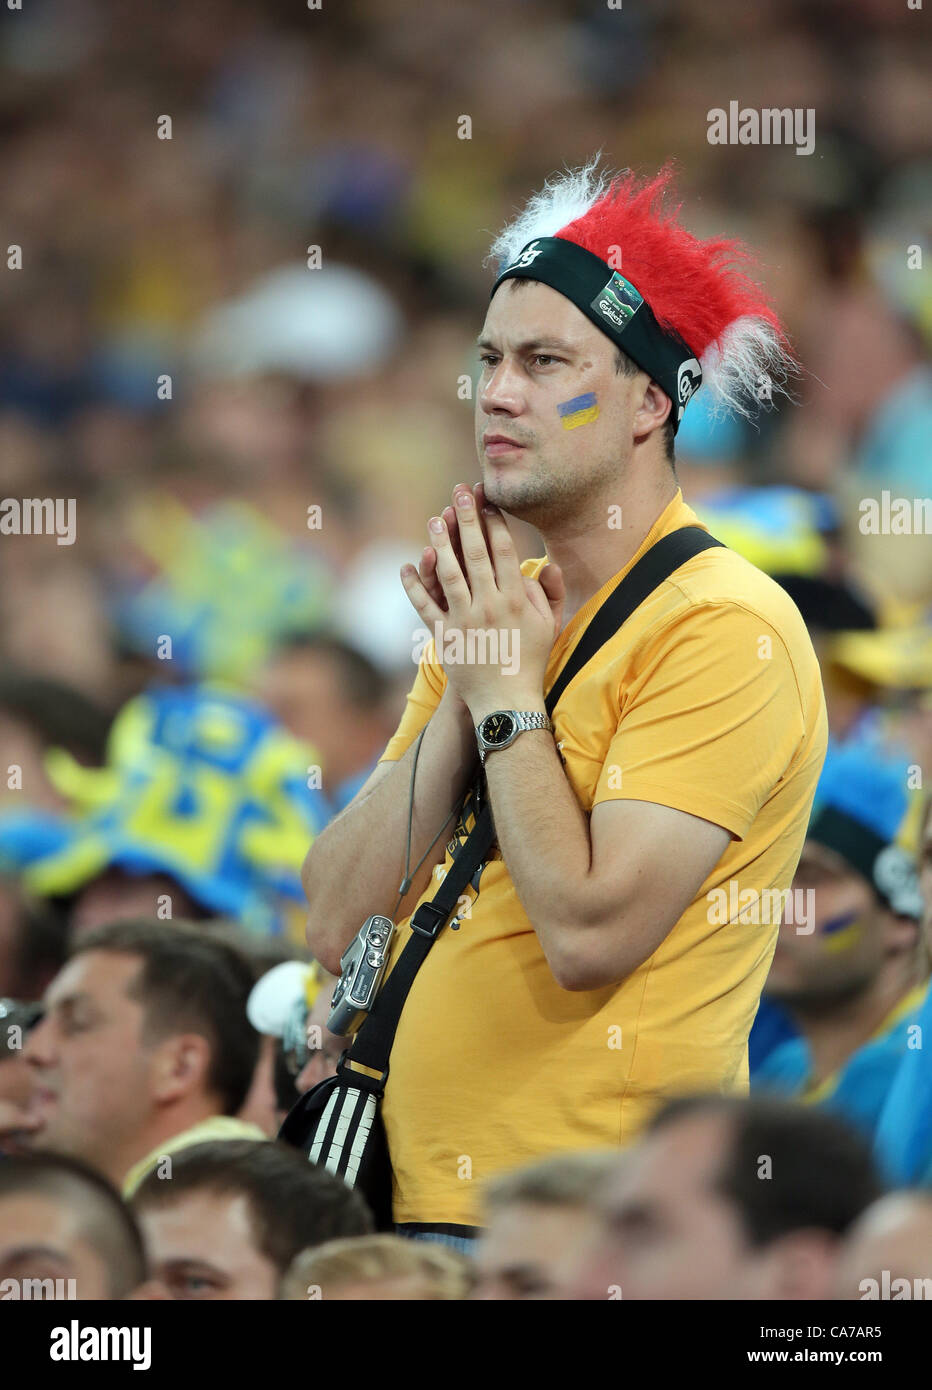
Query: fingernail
{"x": 463, "y": 499}
{"x": 436, "y": 524}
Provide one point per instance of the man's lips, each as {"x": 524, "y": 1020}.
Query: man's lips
{"x": 41, "y": 1102}
{"x": 499, "y": 444}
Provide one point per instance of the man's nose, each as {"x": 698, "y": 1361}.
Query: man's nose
{"x": 37, "y": 1045}
{"x": 503, "y": 390}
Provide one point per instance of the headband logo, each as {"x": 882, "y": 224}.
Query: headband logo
{"x": 895, "y": 877}
{"x": 618, "y": 302}
{"x": 528, "y": 255}
{"x": 688, "y": 381}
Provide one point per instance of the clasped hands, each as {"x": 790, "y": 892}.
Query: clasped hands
{"x": 493, "y": 626}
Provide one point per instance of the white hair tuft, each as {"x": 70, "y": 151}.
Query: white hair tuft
{"x": 563, "y": 198}
{"x": 748, "y": 363}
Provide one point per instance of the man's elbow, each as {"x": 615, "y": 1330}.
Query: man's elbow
{"x": 591, "y": 954}
{"x": 320, "y": 948}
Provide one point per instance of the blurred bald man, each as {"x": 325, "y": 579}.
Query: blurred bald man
{"x": 888, "y": 1252}
{"x": 65, "y": 1233}
{"x": 728, "y": 1198}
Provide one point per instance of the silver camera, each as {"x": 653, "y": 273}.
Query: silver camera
{"x": 362, "y": 965}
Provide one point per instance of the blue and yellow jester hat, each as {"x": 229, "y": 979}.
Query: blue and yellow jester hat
{"x": 200, "y": 784}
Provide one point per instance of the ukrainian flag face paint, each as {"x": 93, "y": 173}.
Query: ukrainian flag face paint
{"x": 842, "y": 932}
{"x": 580, "y": 410}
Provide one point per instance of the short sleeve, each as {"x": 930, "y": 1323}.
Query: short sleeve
{"x": 711, "y": 718}
{"x": 423, "y": 698}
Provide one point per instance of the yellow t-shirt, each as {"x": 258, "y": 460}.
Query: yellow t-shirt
{"x": 709, "y": 700}
{"x": 205, "y": 1131}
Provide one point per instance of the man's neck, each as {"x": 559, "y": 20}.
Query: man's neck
{"x": 590, "y": 547}
{"x": 162, "y": 1129}
{"x": 834, "y": 1034}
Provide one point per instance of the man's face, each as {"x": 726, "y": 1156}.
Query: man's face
{"x": 40, "y": 1239}
{"x": 202, "y": 1246}
{"x": 324, "y": 1048}
{"x": 664, "y": 1231}
{"x": 523, "y": 1252}
{"x": 91, "y": 1071}
{"x": 540, "y": 353}
{"x": 844, "y": 950}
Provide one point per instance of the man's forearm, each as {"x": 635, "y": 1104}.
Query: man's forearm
{"x": 355, "y": 866}
{"x": 543, "y": 834}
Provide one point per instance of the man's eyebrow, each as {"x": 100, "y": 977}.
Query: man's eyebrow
{"x": 32, "y": 1252}
{"x": 530, "y": 344}
{"x": 68, "y": 1001}
{"x": 191, "y": 1264}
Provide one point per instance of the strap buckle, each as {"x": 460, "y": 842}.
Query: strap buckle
{"x": 429, "y": 928}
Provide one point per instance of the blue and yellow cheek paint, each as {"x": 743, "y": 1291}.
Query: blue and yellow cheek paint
{"x": 581, "y": 410}
{"x": 842, "y": 932}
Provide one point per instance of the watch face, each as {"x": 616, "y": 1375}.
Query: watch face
{"x": 498, "y": 728}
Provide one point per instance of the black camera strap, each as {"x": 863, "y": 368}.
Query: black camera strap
{"x": 372, "y": 1044}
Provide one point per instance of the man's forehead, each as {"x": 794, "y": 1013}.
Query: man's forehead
{"x": 92, "y": 973}
{"x": 37, "y": 1214}
{"x": 691, "y": 1145}
{"x": 816, "y": 855}
{"x": 536, "y": 312}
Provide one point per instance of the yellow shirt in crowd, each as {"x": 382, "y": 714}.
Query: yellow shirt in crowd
{"x": 708, "y": 700}
{"x": 205, "y": 1131}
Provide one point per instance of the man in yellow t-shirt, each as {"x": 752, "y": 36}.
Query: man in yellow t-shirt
{"x": 612, "y": 950}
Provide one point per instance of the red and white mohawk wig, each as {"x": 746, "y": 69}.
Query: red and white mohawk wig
{"x": 699, "y": 292}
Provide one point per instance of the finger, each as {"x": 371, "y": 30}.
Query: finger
{"x": 427, "y": 610}
{"x": 451, "y": 576}
{"x": 427, "y": 573}
{"x": 552, "y": 582}
{"x": 536, "y": 595}
{"x": 508, "y": 574}
{"x": 478, "y": 561}
{"x": 449, "y": 516}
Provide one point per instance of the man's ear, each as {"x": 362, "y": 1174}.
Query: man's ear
{"x": 653, "y": 410}
{"x": 901, "y": 935}
{"x": 180, "y": 1066}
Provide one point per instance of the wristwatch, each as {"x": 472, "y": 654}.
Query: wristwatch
{"x": 503, "y": 726}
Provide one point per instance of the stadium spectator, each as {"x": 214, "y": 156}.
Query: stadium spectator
{"x": 728, "y": 1198}
{"x": 144, "y": 1048}
{"x": 614, "y": 822}
{"x": 230, "y": 1217}
{"x": 61, "y": 1221}
{"x": 904, "y": 1131}
{"x": 536, "y": 1218}
{"x": 848, "y": 966}
{"x": 375, "y": 1269}
{"x": 333, "y": 698}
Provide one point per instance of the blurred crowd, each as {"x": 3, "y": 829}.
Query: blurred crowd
{"x": 244, "y": 276}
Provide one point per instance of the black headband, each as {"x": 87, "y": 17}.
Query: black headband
{"x": 887, "y": 867}
{"x": 613, "y": 304}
